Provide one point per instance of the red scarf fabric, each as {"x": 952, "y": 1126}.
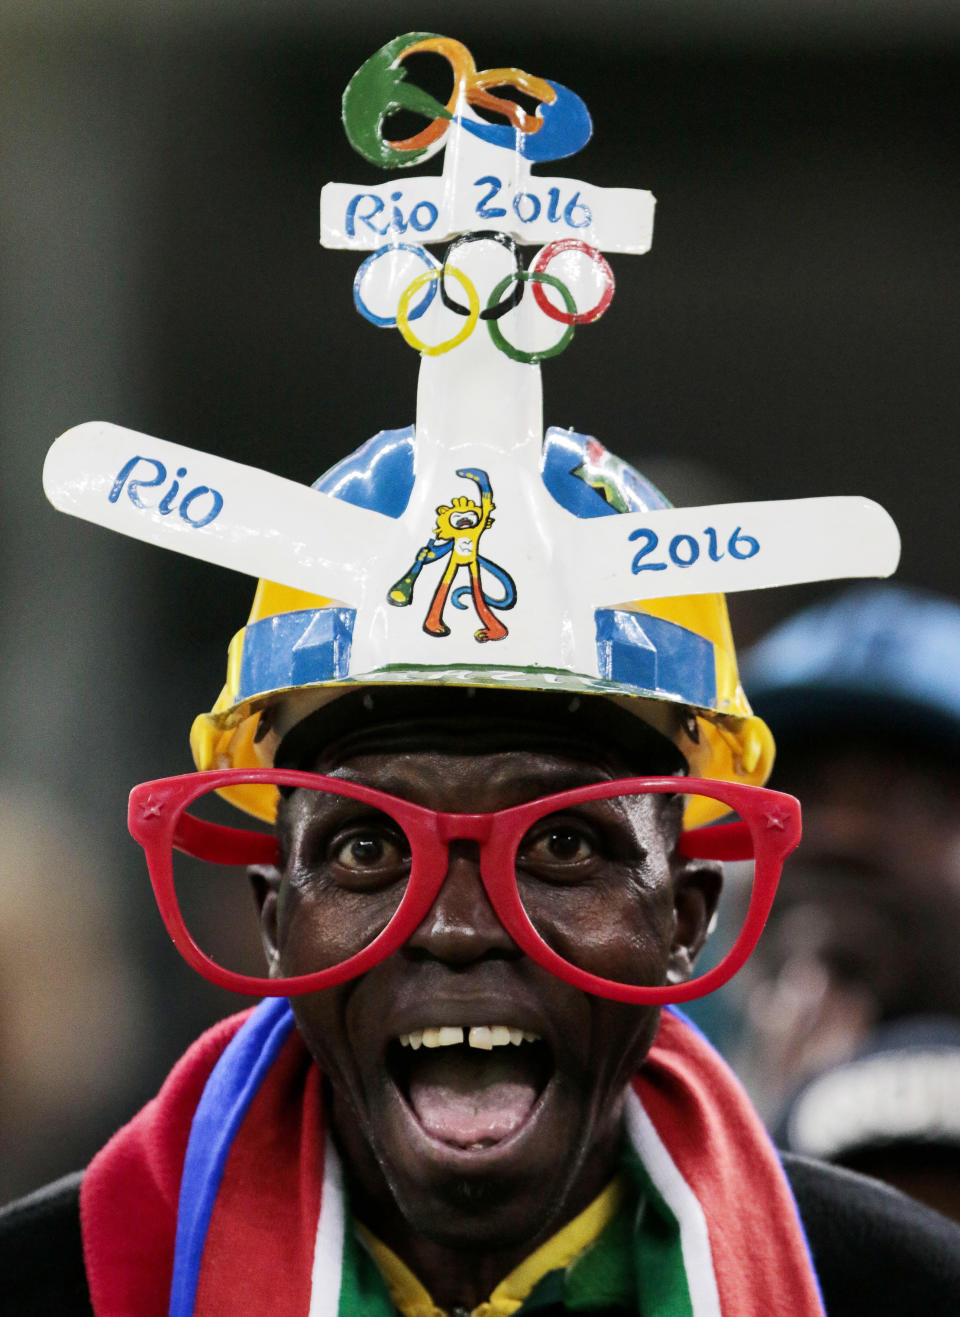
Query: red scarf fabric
{"x": 271, "y": 1245}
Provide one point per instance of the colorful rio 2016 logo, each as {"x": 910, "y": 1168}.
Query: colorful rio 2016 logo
{"x": 381, "y": 87}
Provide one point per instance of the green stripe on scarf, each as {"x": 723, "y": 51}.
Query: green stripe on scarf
{"x": 661, "y": 1277}
{"x": 637, "y": 1261}
{"x": 363, "y": 1290}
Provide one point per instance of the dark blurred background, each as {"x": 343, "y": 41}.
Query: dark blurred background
{"x": 793, "y": 332}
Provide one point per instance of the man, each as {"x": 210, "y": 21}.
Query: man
{"x": 500, "y": 1139}
{"x": 478, "y": 878}
{"x": 889, "y": 1111}
{"x": 860, "y": 956}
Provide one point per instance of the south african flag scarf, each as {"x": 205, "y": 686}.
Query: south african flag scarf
{"x": 224, "y": 1195}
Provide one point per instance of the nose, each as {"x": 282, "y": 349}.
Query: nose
{"x": 462, "y": 926}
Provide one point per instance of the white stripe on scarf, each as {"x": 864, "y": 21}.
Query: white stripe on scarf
{"x": 327, "y": 1270}
{"x": 680, "y": 1198}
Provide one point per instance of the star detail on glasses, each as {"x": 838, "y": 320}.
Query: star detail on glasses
{"x": 775, "y": 818}
{"x": 151, "y": 808}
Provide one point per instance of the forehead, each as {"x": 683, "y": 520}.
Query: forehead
{"x": 592, "y": 738}
{"x": 448, "y": 778}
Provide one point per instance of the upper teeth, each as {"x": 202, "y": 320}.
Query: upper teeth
{"x": 484, "y": 1036}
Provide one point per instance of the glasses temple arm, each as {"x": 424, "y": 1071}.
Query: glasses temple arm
{"x": 721, "y": 841}
{"x": 222, "y": 845}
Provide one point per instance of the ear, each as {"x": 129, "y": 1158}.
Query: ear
{"x": 265, "y": 880}
{"x": 696, "y": 894}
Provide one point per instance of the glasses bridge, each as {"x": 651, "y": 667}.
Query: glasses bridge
{"x": 464, "y": 827}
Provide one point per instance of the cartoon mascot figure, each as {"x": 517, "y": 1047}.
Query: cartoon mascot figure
{"x": 457, "y": 538}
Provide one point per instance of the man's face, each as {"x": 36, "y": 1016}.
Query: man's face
{"x": 512, "y": 1122}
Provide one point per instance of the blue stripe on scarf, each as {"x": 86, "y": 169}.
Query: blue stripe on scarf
{"x": 227, "y": 1095}
{"x": 692, "y": 1025}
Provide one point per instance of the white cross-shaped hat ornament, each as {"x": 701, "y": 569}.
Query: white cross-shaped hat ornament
{"x": 578, "y": 537}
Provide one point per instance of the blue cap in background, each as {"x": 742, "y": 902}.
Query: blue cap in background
{"x": 878, "y": 657}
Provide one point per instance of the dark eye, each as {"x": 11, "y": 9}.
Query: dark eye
{"x": 564, "y": 845}
{"x": 372, "y": 852}
{"x": 558, "y": 847}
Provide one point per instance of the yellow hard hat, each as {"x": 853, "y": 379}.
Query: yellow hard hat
{"x": 670, "y": 662}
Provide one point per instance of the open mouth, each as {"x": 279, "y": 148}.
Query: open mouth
{"x": 470, "y": 1087}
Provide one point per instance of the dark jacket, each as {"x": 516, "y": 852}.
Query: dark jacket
{"x": 877, "y": 1253}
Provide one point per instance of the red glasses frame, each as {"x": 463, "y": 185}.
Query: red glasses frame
{"x": 767, "y": 831}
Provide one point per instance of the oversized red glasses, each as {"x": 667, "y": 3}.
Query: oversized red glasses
{"x": 597, "y": 884}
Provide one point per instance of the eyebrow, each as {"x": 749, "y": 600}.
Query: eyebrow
{"x": 553, "y": 780}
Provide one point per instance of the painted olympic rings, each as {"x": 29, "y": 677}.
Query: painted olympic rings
{"x": 497, "y": 306}
{"x": 433, "y": 276}
{"x": 388, "y": 322}
{"x": 535, "y": 277}
{"x": 482, "y": 235}
{"x": 570, "y": 316}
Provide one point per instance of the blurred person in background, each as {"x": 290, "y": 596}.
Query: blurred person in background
{"x": 891, "y": 1111}
{"x": 72, "y": 1044}
{"x": 863, "y": 694}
